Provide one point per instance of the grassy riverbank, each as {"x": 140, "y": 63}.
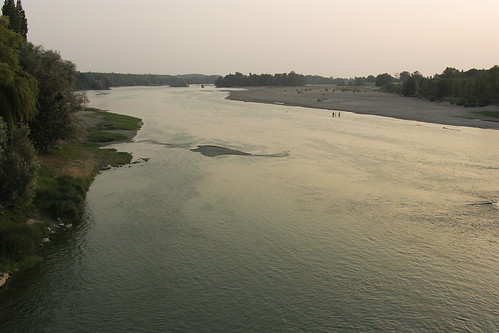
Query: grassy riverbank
{"x": 66, "y": 173}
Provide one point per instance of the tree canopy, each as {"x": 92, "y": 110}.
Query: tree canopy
{"x": 253, "y": 80}
{"x": 103, "y": 81}
{"x": 18, "y": 89}
{"x": 468, "y": 88}
{"x": 17, "y": 17}
{"x": 37, "y": 106}
{"x": 57, "y": 101}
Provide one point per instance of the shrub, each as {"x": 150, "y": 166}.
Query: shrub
{"x": 63, "y": 197}
{"x": 19, "y": 242}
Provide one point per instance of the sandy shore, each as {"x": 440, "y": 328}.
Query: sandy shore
{"x": 371, "y": 102}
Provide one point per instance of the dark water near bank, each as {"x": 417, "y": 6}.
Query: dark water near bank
{"x": 351, "y": 224}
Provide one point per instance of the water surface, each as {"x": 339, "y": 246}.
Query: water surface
{"x": 351, "y": 224}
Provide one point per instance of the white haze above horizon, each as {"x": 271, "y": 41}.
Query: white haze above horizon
{"x": 321, "y": 37}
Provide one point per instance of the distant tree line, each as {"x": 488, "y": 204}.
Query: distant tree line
{"x": 468, "y": 88}
{"x": 37, "y": 109}
{"x": 291, "y": 79}
{"x": 254, "y": 80}
{"x": 356, "y": 81}
{"x": 475, "y": 87}
{"x": 104, "y": 81}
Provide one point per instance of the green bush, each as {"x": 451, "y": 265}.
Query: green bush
{"x": 18, "y": 243}
{"x": 63, "y": 197}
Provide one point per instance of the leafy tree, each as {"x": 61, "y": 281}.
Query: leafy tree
{"x": 17, "y": 17}
{"x": 384, "y": 80}
{"x": 409, "y": 86}
{"x": 471, "y": 88}
{"x": 18, "y": 89}
{"x": 450, "y": 72}
{"x": 23, "y": 21}
{"x": 404, "y": 76}
{"x": 57, "y": 101}
{"x": 18, "y": 168}
{"x": 9, "y": 9}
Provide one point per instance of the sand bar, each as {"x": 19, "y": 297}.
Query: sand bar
{"x": 371, "y": 102}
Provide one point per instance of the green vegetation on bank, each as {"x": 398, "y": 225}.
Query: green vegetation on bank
{"x": 47, "y": 158}
{"x": 108, "y": 123}
{"x": 61, "y": 190}
{"x": 66, "y": 172}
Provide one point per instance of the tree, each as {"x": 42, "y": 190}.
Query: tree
{"x": 450, "y": 72}
{"x": 404, "y": 76}
{"x": 17, "y": 17}
{"x": 18, "y": 167}
{"x": 18, "y": 89}
{"x": 57, "y": 101}
{"x": 23, "y": 21}
{"x": 410, "y": 86}
{"x": 384, "y": 80}
{"x": 9, "y": 9}
{"x": 360, "y": 81}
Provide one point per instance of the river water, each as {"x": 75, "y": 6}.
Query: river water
{"x": 355, "y": 223}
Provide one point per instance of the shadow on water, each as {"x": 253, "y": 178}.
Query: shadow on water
{"x": 213, "y": 150}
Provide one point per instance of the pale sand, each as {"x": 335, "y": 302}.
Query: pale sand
{"x": 371, "y": 102}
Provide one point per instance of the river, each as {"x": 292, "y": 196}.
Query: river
{"x": 355, "y": 223}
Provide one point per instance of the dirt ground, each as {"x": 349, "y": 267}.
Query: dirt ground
{"x": 371, "y": 102}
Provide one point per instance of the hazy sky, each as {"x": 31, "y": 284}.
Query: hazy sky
{"x": 339, "y": 38}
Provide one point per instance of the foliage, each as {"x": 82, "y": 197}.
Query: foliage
{"x": 384, "y": 81}
{"x": 38, "y": 106}
{"x": 471, "y": 88}
{"x": 23, "y": 21}
{"x": 19, "y": 243}
{"x": 103, "y": 81}
{"x": 17, "y": 17}
{"x": 18, "y": 89}
{"x": 57, "y": 102}
{"x": 62, "y": 197}
{"x": 18, "y": 168}
{"x": 241, "y": 80}
{"x": 410, "y": 86}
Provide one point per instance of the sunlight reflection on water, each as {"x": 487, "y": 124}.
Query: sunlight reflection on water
{"x": 365, "y": 224}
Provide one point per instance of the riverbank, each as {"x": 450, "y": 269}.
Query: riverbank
{"x": 374, "y": 103}
{"x": 65, "y": 175}
{"x": 84, "y": 157}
